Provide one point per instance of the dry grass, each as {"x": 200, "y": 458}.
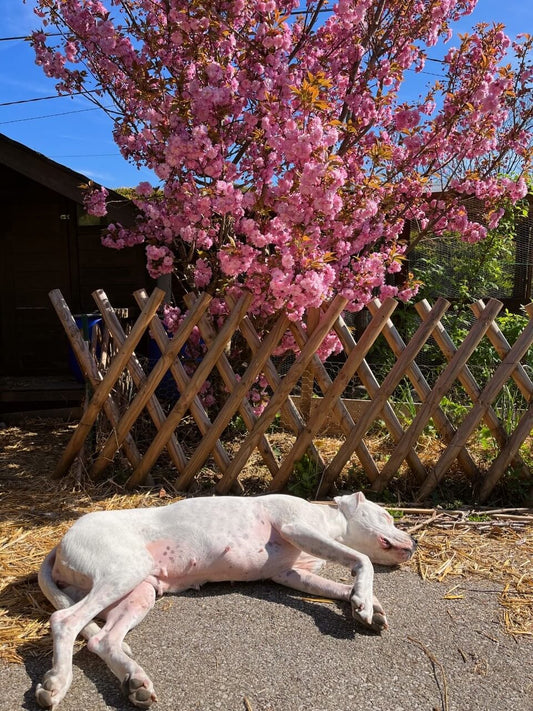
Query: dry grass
{"x": 36, "y": 511}
{"x": 499, "y": 553}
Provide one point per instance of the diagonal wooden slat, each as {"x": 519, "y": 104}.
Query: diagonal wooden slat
{"x": 508, "y": 452}
{"x": 195, "y": 383}
{"x": 87, "y": 363}
{"x": 441, "y": 387}
{"x": 102, "y": 391}
{"x": 339, "y": 410}
{"x": 372, "y": 387}
{"x": 407, "y": 356}
{"x": 147, "y": 389}
{"x": 231, "y": 382}
{"x": 468, "y": 381}
{"x": 307, "y": 382}
{"x": 137, "y": 373}
{"x": 333, "y": 392}
{"x": 182, "y": 380}
{"x": 288, "y": 409}
{"x": 233, "y": 403}
{"x": 423, "y": 390}
{"x": 280, "y": 395}
{"x": 502, "y": 373}
{"x": 502, "y": 347}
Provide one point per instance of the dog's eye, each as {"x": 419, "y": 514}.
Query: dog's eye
{"x": 386, "y": 543}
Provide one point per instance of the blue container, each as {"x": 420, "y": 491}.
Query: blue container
{"x": 86, "y": 323}
{"x": 167, "y": 390}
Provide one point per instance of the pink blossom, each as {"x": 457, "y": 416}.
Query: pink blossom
{"x": 95, "y": 201}
{"x": 287, "y": 155}
{"x": 202, "y": 273}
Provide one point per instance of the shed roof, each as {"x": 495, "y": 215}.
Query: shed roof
{"x": 57, "y": 177}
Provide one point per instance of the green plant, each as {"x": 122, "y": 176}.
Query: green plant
{"x": 455, "y": 411}
{"x": 396, "y": 514}
{"x": 304, "y": 479}
{"x": 478, "y": 518}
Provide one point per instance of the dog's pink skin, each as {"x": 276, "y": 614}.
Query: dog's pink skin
{"x": 111, "y": 564}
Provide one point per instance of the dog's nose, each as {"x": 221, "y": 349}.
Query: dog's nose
{"x": 415, "y": 543}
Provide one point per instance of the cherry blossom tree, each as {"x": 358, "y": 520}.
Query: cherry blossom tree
{"x": 288, "y": 152}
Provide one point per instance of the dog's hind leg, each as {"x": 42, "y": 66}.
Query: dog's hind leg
{"x": 67, "y": 623}
{"x": 108, "y": 644}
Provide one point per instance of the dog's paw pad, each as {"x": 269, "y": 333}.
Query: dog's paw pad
{"x": 139, "y": 691}
{"x": 44, "y": 697}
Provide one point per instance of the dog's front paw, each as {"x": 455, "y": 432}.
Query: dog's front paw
{"x": 379, "y": 620}
{"x": 362, "y": 607}
{"x": 369, "y": 612}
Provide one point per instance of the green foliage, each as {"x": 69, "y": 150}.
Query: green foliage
{"x": 465, "y": 272}
{"x": 304, "y": 480}
{"x": 129, "y": 193}
{"x": 462, "y": 271}
{"x": 478, "y": 518}
{"x": 396, "y": 515}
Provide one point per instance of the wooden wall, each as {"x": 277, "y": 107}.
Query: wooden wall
{"x": 43, "y": 248}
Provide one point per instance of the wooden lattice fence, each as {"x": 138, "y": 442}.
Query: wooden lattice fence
{"x": 117, "y": 358}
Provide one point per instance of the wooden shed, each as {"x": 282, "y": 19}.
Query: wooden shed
{"x": 48, "y": 241}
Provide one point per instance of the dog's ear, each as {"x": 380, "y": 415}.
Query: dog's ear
{"x": 348, "y": 504}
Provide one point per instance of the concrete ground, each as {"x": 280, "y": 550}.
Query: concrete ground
{"x": 261, "y": 647}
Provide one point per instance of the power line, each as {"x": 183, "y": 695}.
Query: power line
{"x": 44, "y": 116}
{"x": 46, "y": 98}
{"x": 26, "y": 38}
{"x": 84, "y": 155}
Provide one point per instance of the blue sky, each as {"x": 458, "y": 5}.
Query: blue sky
{"x": 72, "y": 132}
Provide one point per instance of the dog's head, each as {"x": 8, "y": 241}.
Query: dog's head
{"x": 370, "y": 529}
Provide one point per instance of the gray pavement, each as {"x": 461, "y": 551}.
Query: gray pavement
{"x": 262, "y": 647}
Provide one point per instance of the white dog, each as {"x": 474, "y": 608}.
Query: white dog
{"x": 112, "y": 564}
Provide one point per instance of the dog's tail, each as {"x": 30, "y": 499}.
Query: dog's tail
{"x": 59, "y": 598}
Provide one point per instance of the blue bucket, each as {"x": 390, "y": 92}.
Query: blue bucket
{"x": 86, "y": 323}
